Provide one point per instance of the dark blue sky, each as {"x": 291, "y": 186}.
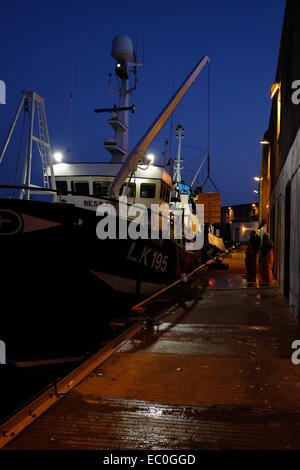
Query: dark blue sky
{"x": 39, "y": 41}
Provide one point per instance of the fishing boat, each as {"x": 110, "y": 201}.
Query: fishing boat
{"x": 54, "y": 265}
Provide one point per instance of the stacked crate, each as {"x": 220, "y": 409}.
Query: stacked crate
{"x": 212, "y": 207}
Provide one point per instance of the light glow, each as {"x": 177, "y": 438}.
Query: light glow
{"x": 274, "y": 88}
{"x": 264, "y": 142}
{"x": 150, "y": 158}
{"x": 58, "y": 156}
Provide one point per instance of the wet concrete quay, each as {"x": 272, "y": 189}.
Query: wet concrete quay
{"x": 212, "y": 370}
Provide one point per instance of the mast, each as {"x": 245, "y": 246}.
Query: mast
{"x": 138, "y": 153}
{"x": 180, "y": 136}
{"x": 126, "y": 62}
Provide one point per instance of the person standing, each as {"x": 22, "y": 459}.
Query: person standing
{"x": 266, "y": 261}
{"x": 251, "y": 256}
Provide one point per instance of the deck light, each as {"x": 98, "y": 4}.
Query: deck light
{"x": 255, "y": 191}
{"x": 265, "y": 142}
{"x": 150, "y": 158}
{"x": 257, "y": 178}
{"x": 58, "y": 156}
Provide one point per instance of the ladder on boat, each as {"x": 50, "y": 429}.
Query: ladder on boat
{"x": 34, "y": 107}
{"x": 43, "y": 142}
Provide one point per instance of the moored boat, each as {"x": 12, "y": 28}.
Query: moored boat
{"x": 54, "y": 265}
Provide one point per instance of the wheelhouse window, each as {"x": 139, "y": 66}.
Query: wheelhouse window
{"x": 131, "y": 192}
{"x": 100, "y": 188}
{"x": 62, "y": 187}
{"x": 147, "y": 190}
{"x": 81, "y": 187}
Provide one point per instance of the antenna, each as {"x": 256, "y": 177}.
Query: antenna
{"x": 164, "y": 163}
{"x": 70, "y": 114}
{"x": 143, "y": 56}
{"x": 179, "y": 167}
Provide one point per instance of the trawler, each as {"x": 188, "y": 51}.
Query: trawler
{"x": 52, "y": 248}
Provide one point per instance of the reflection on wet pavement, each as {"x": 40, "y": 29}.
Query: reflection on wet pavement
{"x": 211, "y": 370}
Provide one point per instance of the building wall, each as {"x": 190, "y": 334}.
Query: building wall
{"x": 244, "y": 230}
{"x": 280, "y": 177}
{"x": 288, "y": 71}
{"x": 288, "y": 264}
{"x": 237, "y": 222}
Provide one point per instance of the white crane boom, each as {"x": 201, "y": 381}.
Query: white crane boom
{"x": 138, "y": 153}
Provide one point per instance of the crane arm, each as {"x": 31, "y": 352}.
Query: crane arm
{"x": 138, "y": 153}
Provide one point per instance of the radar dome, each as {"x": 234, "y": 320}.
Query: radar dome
{"x": 122, "y": 47}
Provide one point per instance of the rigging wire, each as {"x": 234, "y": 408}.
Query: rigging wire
{"x": 208, "y": 108}
{"x": 208, "y": 133}
{"x": 193, "y": 147}
{"x": 171, "y": 126}
{"x": 192, "y": 159}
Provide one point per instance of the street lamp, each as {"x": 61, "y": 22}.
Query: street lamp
{"x": 274, "y": 88}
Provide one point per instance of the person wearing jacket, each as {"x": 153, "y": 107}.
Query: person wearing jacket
{"x": 251, "y": 256}
{"x": 266, "y": 261}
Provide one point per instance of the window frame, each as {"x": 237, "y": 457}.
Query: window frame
{"x": 103, "y": 183}
{"x": 141, "y": 190}
{"x": 131, "y": 186}
{"x": 64, "y": 192}
{"x": 73, "y": 185}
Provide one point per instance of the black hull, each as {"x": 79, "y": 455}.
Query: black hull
{"x": 62, "y": 284}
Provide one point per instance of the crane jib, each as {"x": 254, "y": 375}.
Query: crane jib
{"x": 138, "y": 153}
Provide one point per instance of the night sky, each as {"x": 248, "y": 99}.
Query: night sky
{"x": 41, "y": 40}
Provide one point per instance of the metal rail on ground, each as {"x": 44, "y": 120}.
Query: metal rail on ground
{"x": 23, "y": 418}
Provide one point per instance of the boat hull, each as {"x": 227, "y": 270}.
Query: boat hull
{"x": 62, "y": 283}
